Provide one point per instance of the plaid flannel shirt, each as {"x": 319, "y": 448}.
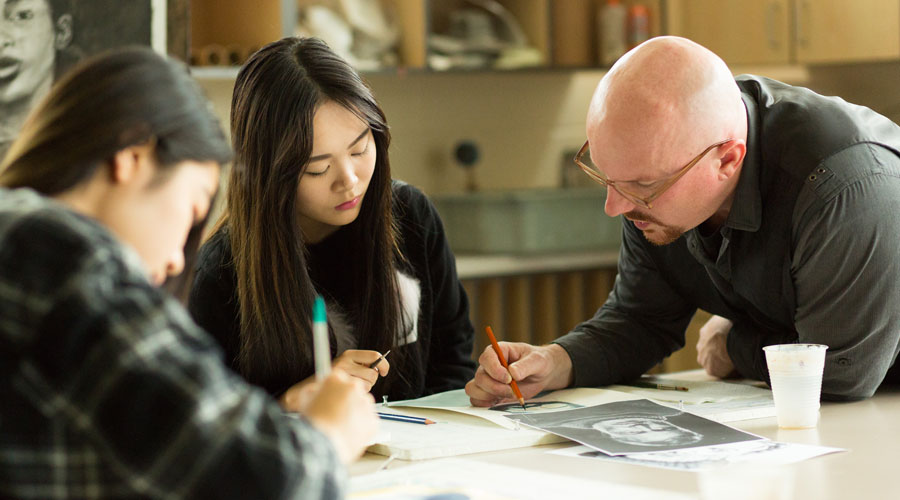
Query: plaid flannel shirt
{"x": 109, "y": 390}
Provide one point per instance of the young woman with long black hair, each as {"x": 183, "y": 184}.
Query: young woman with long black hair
{"x": 312, "y": 209}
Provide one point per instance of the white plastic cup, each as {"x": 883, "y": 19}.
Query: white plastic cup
{"x": 795, "y": 371}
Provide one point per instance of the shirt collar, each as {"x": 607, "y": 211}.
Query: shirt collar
{"x": 746, "y": 208}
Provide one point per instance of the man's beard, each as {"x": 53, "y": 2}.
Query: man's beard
{"x": 660, "y": 235}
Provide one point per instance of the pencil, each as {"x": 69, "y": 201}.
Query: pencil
{"x": 512, "y": 381}
{"x": 375, "y": 363}
{"x": 661, "y": 387}
{"x": 405, "y": 418}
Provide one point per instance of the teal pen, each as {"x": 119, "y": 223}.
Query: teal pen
{"x": 321, "y": 347}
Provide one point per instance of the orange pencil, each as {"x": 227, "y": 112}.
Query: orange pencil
{"x": 512, "y": 383}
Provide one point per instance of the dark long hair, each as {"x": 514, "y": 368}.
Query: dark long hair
{"x": 108, "y": 103}
{"x": 276, "y": 95}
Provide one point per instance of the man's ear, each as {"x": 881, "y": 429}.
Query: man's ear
{"x": 128, "y": 163}
{"x": 731, "y": 161}
{"x": 63, "y": 32}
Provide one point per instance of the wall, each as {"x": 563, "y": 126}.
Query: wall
{"x": 523, "y": 123}
{"x": 876, "y": 85}
{"x": 526, "y": 125}
{"x": 529, "y": 123}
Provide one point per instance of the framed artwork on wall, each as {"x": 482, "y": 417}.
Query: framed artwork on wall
{"x": 41, "y": 39}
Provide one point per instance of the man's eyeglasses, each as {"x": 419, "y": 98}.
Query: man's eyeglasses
{"x": 639, "y": 193}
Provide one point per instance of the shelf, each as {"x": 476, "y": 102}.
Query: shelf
{"x": 489, "y": 266}
{"x": 558, "y": 33}
{"x": 224, "y": 73}
{"x": 214, "y": 73}
{"x": 787, "y": 73}
{"x": 793, "y": 74}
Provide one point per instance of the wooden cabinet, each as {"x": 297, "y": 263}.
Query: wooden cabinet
{"x": 830, "y": 31}
{"x": 740, "y": 31}
{"x": 564, "y": 33}
{"x": 561, "y": 33}
{"x": 790, "y": 31}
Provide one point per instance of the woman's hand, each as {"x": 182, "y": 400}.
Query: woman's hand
{"x": 354, "y": 363}
{"x": 344, "y": 411}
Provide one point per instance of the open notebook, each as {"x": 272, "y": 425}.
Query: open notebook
{"x": 462, "y": 428}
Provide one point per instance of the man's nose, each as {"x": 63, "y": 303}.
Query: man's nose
{"x": 616, "y": 204}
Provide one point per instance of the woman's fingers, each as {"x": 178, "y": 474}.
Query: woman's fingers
{"x": 362, "y": 365}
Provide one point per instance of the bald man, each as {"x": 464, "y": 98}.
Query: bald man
{"x": 770, "y": 206}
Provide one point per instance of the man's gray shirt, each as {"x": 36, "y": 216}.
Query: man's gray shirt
{"x": 809, "y": 253}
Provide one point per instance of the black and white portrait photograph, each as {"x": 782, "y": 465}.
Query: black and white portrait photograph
{"x": 41, "y": 39}
{"x": 637, "y": 426}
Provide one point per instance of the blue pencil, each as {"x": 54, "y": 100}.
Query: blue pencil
{"x": 405, "y": 418}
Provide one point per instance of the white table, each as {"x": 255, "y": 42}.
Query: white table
{"x": 869, "y": 429}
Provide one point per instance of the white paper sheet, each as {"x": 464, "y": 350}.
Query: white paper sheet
{"x": 711, "y": 457}
{"x": 719, "y": 400}
{"x": 485, "y": 481}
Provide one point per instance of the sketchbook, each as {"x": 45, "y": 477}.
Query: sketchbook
{"x": 457, "y": 401}
{"x": 462, "y": 429}
{"x": 453, "y": 434}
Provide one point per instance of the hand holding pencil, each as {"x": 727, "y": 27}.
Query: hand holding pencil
{"x": 344, "y": 411}
{"x": 365, "y": 365}
{"x": 534, "y": 368}
{"x": 512, "y": 380}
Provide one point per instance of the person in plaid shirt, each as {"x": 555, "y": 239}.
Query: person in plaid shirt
{"x": 108, "y": 388}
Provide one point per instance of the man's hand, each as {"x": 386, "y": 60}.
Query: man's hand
{"x": 534, "y": 369}
{"x": 712, "y": 348}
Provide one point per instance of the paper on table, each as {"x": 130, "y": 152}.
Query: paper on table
{"x": 719, "y": 400}
{"x": 458, "y": 401}
{"x": 761, "y": 451}
{"x": 699, "y": 391}
{"x": 482, "y": 481}
{"x": 453, "y": 434}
